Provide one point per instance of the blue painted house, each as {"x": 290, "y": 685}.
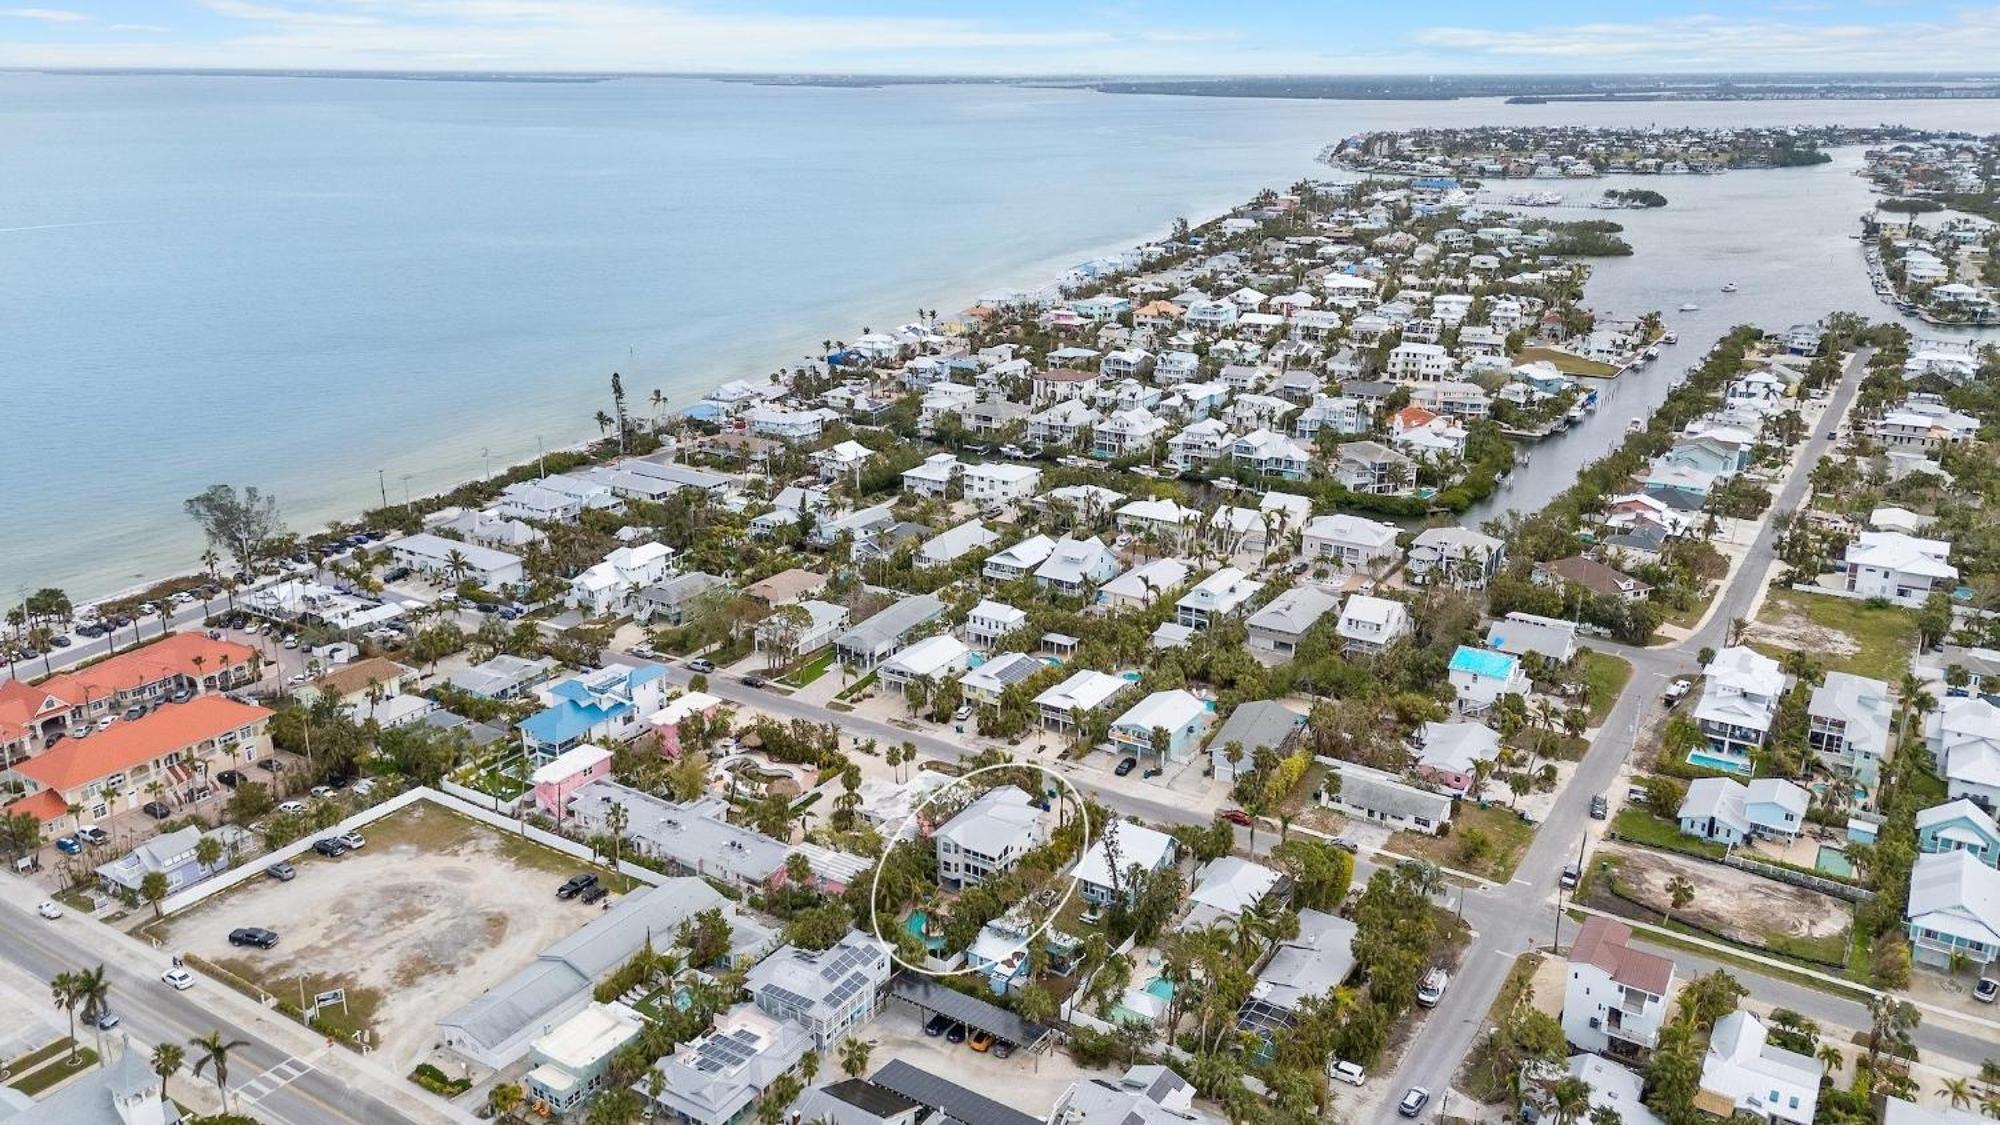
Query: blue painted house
{"x": 602, "y": 705}
{"x": 1959, "y": 826}
{"x": 171, "y": 854}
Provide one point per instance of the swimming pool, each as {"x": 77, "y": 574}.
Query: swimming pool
{"x": 1161, "y": 987}
{"x": 915, "y": 924}
{"x": 1834, "y": 861}
{"x": 1723, "y": 762}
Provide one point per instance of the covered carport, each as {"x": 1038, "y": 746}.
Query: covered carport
{"x": 933, "y": 998}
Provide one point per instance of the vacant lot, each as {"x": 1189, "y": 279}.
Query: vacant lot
{"x": 1486, "y": 842}
{"x": 1846, "y": 636}
{"x": 1744, "y": 908}
{"x": 434, "y": 911}
{"x": 1569, "y": 363}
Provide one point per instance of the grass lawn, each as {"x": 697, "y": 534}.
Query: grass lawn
{"x": 810, "y": 671}
{"x": 1885, "y": 635}
{"x": 1568, "y": 363}
{"x": 1642, "y": 827}
{"x": 56, "y": 1071}
{"x": 1506, "y": 836}
{"x": 853, "y": 691}
{"x": 1604, "y": 677}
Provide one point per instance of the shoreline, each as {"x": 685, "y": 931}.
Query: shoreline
{"x": 1051, "y": 281}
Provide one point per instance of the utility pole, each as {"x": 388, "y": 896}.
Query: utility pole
{"x": 382, "y": 483}
{"x": 541, "y": 458}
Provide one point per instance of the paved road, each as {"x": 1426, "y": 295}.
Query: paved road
{"x": 1161, "y": 810}
{"x": 1518, "y": 917}
{"x": 318, "y": 1085}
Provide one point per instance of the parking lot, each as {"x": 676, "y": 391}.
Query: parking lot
{"x": 433, "y": 911}
{"x": 1029, "y": 1082}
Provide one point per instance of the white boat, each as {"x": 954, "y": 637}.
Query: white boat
{"x": 1690, "y": 307}
{"x": 1653, "y": 353}
{"x": 1729, "y": 287}
{"x": 1635, "y": 425}
{"x": 1670, "y": 338}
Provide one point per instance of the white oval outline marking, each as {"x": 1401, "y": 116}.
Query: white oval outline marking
{"x": 875, "y": 884}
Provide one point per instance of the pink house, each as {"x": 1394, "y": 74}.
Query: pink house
{"x": 567, "y": 773}
{"x": 667, "y": 720}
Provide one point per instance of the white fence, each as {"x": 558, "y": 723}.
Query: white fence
{"x": 253, "y": 868}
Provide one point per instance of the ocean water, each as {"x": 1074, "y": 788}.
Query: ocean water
{"x": 340, "y": 289}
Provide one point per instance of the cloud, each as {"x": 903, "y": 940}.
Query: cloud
{"x": 144, "y": 28}
{"x": 1970, "y": 40}
{"x": 47, "y": 15}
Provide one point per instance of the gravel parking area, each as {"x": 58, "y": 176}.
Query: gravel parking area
{"x": 436, "y": 909}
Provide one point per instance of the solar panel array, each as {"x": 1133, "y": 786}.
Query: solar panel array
{"x": 788, "y": 999}
{"x": 718, "y": 1053}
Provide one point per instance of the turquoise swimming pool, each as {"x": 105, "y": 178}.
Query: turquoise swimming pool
{"x": 915, "y": 924}
{"x": 1724, "y": 762}
{"x": 1834, "y": 861}
{"x": 1161, "y": 987}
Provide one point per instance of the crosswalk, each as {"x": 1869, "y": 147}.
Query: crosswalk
{"x": 270, "y": 1081}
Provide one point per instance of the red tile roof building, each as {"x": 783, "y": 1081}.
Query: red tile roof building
{"x": 70, "y": 701}
{"x": 165, "y": 746}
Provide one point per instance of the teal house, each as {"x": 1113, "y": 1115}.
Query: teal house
{"x": 1959, "y": 826}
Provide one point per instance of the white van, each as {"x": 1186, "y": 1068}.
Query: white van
{"x": 1344, "y": 1071}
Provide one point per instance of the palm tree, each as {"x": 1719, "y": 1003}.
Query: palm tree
{"x": 64, "y": 990}
{"x": 214, "y": 1055}
{"x": 1572, "y": 1099}
{"x": 1680, "y": 892}
{"x": 1958, "y": 1091}
{"x": 506, "y": 1097}
{"x": 167, "y": 1061}
{"x": 854, "y": 1055}
{"x": 1830, "y": 1057}
{"x": 93, "y": 993}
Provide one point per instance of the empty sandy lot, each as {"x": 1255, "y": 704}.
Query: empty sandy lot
{"x": 1737, "y": 904}
{"x": 436, "y": 909}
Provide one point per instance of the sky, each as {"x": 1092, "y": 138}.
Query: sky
{"x": 1013, "y": 37}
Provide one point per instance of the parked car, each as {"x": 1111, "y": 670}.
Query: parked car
{"x": 1570, "y": 877}
{"x": 1987, "y": 990}
{"x": 1237, "y": 817}
{"x": 701, "y": 664}
{"x": 181, "y": 696}
{"x": 981, "y": 1041}
{"x": 322, "y": 791}
{"x": 282, "y": 872}
{"x": 1125, "y": 766}
{"x": 330, "y": 846}
{"x": 107, "y": 1021}
{"x": 272, "y": 764}
{"x": 292, "y": 807}
{"x": 956, "y": 1034}
{"x": 254, "y": 935}
{"x": 69, "y": 845}
{"x": 353, "y": 841}
{"x": 180, "y": 980}
{"x": 92, "y": 834}
{"x": 48, "y": 909}
{"x": 1413, "y": 1103}
{"x": 1678, "y": 690}
{"x": 937, "y": 1026}
{"x": 158, "y": 810}
{"x": 1346, "y": 845}
{"x": 576, "y": 885}
{"x": 1431, "y": 989}
{"x": 593, "y": 893}
{"x": 1002, "y": 1049}
{"x": 1344, "y": 1071}
{"x": 1600, "y": 808}
{"x": 754, "y": 681}
{"x": 229, "y": 779}
{"x": 364, "y": 787}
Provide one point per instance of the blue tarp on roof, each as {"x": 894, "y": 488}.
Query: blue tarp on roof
{"x": 1483, "y": 662}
